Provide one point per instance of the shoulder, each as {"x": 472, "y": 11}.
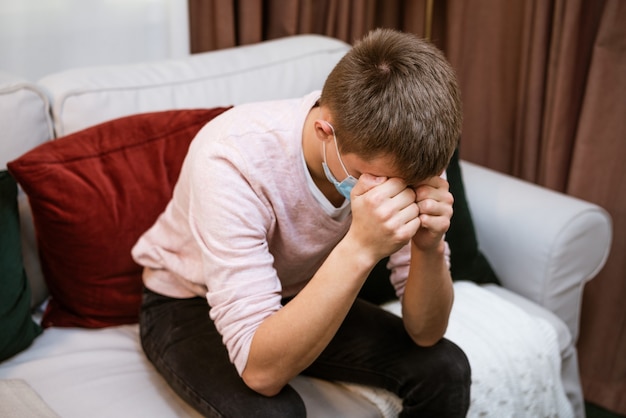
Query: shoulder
{"x": 258, "y": 130}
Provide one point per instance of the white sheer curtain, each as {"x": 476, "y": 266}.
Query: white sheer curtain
{"x": 38, "y": 37}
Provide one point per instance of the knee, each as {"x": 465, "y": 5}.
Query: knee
{"x": 450, "y": 367}
{"x": 443, "y": 365}
{"x": 454, "y": 365}
{"x": 443, "y": 384}
{"x": 287, "y": 403}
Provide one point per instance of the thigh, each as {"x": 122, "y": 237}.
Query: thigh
{"x": 182, "y": 342}
{"x": 373, "y": 348}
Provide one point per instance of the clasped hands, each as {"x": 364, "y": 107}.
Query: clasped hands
{"x": 386, "y": 213}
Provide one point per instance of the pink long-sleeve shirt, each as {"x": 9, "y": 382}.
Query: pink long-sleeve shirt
{"x": 243, "y": 228}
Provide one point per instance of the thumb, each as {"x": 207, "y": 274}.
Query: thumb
{"x": 366, "y": 183}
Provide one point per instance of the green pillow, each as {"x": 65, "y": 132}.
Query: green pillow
{"x": 17, "y": 329}
{"x": 466, "y": 260}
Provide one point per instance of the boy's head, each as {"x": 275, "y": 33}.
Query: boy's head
{"x": 395, "y": 94}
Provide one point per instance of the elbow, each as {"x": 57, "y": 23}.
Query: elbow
{"x": 261, "y": 383}
{"x": 426, "y": 338}
{"x": 426, "y": 341}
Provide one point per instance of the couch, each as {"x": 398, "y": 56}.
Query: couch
{"x": 75, "y": 354}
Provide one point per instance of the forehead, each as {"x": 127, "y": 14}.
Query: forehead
{"x": 382, "y": 166}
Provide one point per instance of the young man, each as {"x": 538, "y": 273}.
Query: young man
{"x": 281, "y": 211}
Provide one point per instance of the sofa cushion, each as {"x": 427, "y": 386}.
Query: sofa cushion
{"x": 17, "y": 329}
{"x": 25, "y": 122}
{"x": 30, "y": 126}
{"x": 467, "y": 262}
{"x": 92, "y": 194}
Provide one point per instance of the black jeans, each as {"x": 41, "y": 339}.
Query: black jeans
{"x": 371, "y": 347}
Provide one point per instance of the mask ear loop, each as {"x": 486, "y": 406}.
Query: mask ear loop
{"x": 345, "y": 170}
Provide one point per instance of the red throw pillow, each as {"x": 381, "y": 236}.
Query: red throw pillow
{"x": 92, "y": 194}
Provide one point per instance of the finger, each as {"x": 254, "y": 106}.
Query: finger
{"x": 411, "y": 227}
{"x": 434, "y": 181}
{"x": 366, "y": 183}
{"x": 408, "y": 213}
{"x": 393, "y": 197}
{"x": 393, "y": 187}
{"x": 437, "y": 225}
{"x": 433, "y": 207}
{"x": 437, "y": 190}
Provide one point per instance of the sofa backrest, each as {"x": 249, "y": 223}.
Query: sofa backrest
{"x": 282, "y": 68}
{"x": 24, "y": 117}
{"x": 71, "y": 100}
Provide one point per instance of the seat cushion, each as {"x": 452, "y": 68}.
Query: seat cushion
{"x": 101, "y": 373}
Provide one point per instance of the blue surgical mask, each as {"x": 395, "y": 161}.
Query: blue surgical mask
{"x": 345, "y": 186}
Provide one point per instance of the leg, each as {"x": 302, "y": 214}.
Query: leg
{"x": 372, "y": 348}
{"x": 181, "y": 341}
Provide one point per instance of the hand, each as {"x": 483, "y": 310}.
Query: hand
{"x": 384, "y": 215}
{"x": 435, "y": 211}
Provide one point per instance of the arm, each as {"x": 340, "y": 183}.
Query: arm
{"x": 292, "y": 338}
{"x": 428, "y": 294}
{"x": 384, "y": 219}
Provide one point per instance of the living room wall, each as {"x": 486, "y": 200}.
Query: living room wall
{"x": 39, "y": 37}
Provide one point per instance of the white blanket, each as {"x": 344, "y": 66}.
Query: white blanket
{"x": 514, "y": 358}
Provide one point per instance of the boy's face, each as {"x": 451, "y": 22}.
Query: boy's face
{"x": 377, "y": 167}
{"x": 344, "y": 166}
{"x": 342, "y": 171}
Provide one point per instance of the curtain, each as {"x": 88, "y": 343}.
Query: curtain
{"x": 544, "y": 86}
{"x": 544, "y": 94}
{"x": 598, "y": 174}
{"x": 218, "y": 24}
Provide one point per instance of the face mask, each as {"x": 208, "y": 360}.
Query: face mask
{"x": 344, "y": 187}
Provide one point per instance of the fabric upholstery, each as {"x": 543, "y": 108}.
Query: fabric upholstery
{"x": 467, "y": 262}
{"x": 92, "y": 194}
{"x": 17, "y": 329}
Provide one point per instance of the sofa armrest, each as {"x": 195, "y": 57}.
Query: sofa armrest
{"x": 542, "y": 244}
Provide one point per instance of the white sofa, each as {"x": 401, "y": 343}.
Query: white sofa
{"x": 543, "y": 246}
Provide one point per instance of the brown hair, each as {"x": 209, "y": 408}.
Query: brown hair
{"x": 395, "y": 94}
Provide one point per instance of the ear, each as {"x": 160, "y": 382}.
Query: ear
{"x": 323, "y": 130}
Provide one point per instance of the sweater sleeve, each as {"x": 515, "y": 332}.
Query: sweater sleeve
{"x": 230, "y": 222}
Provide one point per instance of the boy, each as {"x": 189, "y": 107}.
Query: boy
{"x": 281, "y": 211}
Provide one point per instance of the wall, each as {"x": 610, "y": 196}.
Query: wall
{"x": 38, "y": 37}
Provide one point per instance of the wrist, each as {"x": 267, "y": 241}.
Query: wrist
{"x": 362, "y": 258}
{"x": 436, "y": 251}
